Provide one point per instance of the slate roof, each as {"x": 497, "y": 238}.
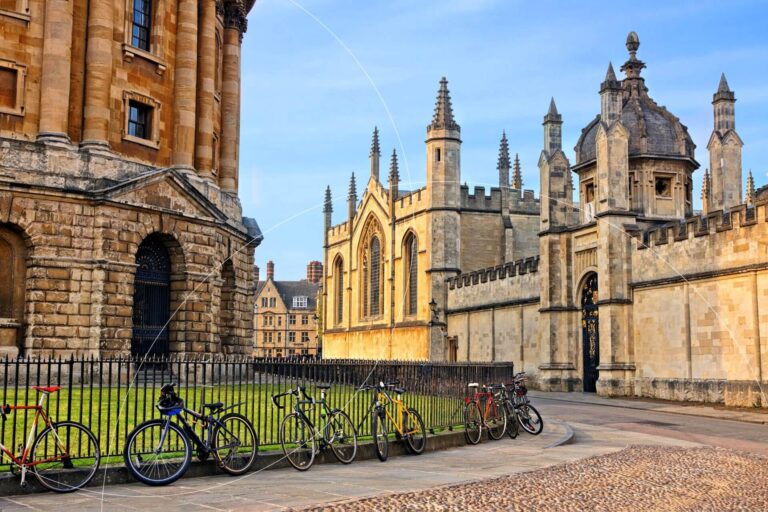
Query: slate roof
{"x": 290, "y": 289}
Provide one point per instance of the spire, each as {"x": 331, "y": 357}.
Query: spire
{"x": 552, "y": 107}
{"x": 327, "y": 214}
{"x": 610, "y": 75}
{"x": 724, "y": 92}
{"x": 633, "y": 66}
{"x": 552, "y": 129}
{"x": 328, "y": 204}
{"x": 750, "y": 188}
{"x": 443, "y": 117}
{"x": 723, "y": 86}
{"x": 375, "y": 154}
{"x": 610, "y": 82}
{"x": 517, "y": 176}
{"x": 705, "y": 192}
{"x": 394, "y": 172}
{"x": 352, "y": 189}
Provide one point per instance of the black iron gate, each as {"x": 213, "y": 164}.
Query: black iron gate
{"x": 590, "y": 333}
{"x": 151, "y": 299}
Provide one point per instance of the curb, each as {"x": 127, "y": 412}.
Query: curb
{"x": 569, "y": 437}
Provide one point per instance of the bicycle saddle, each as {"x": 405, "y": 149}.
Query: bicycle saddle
{"x": 46, "y": 389}
{"x": 214, "y": 406}
{"x": 473, "y": 385}
{"x": 323, "y": 386}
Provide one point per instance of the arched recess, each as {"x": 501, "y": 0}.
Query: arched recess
{"x": 13, "y": 274}
{"x": 410, "y": 273}
{"x": 590, "y": 331}
{"x": 371, "y": 262}
{"x": 338, "y": 290}
{"x": 158, "y": 292}
{"x": 227, "y": 308}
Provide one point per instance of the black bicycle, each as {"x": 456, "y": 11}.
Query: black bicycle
{"x": 518, "y": 407}
{"x": 301, "y": 440}
{"x": 159, "y": 451}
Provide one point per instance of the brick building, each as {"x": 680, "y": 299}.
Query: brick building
{"x": 121, "y": 230}
{"x": 285, "y": 317}
{"x": 628, "y": 292}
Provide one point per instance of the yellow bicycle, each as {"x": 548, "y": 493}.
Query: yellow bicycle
{"x": 405, "y": 423}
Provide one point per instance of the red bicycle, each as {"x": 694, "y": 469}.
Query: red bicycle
{"x": 64, "y": 456}
{"x": 491, "y": 416}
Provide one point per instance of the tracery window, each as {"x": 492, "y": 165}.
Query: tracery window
{"x": 375, "y": 277}
{"x": 371, "y": 264}
{"x": 410, "y": 258}
{"x": 338, "y": 272}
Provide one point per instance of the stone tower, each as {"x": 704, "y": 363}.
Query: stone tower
{"x": 612, "y": 148}
{"x": 724, "y": 151}
{"x": 556, "y": 197}
{"x": 443, "y": 179}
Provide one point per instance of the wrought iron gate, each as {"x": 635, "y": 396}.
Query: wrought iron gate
{"x": 590, "y": 333}
{"x": 151, "y": 299}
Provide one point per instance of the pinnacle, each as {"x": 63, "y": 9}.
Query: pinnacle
{"x": 750, "y": 188}
{"x": 705, "y": 185}
{"x": 517, "y": 176}
{"x": 394, "y": 172}
{"x": 723, "y": 86}
{"x": 328, "y": 205}
{"x": 552, "y": 107}
{"x": 610, "y": 75}
{"x": 375, "y": 151}
{"x": 352, "y": 188}
{"x": 503, "y": 152}
{"x": 443, "y": 117}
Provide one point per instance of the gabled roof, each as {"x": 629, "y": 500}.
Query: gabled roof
{"x": 290, "y": 289}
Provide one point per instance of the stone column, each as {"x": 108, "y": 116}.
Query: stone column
{"x": 235, "y": 25}
{"x": 206, "y": 48}
{"x": 55, "y": 79}
{"x": 185, "y": 86}
{"x": 98, "y": 74}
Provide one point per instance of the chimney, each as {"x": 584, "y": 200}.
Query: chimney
{"x": 270, "y": 270}
{"x": 314, "y": 272}
{"x": 256, "y": 273}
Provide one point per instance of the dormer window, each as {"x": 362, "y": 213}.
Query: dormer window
{"x": 300, "y": 302}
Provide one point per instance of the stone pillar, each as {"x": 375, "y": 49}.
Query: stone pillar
{"x": 98, "y": 74}
{"x": 55, "y": 78}
{"x": 206, "y": 48}
{"x": 185, "y": 86}
{"x": 235, "y": 25}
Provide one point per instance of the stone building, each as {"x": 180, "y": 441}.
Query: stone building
{"x": 628, "y": 292}
{"x": 121, "y": 230}
{"x": 285, "y": 319}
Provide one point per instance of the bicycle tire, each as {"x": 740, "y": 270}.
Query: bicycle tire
{"x": 300, "y": 437}
{"x": 513, "y": 427}
{"x": 62, "y": 475}
{"x": 530, "y": 419}
{"x": 144, "y": 471}
{"x": 473, "y": 423}
{"x": 379, "y": 435}
{"x": 497, "y": 423}
{"x": 341, "y": 428}
{"x": 242, "y": 438}
{"x": 416, "y": 443}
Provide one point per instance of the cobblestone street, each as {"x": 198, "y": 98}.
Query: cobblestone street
{"x": 639, "y": 478}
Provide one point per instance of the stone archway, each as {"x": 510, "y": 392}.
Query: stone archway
{"x": 151, "y": 299}
{"x": 590, "y": 332}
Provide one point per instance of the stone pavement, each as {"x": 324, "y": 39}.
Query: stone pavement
{"x": 687, "y": 408}
{"x": 287, "y": 488}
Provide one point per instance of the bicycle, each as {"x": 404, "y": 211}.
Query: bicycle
{"x": 159, "y": 451}
{"x": 64, "y": 456}
{"x": 527, "y": 415}
{"x": 301, "y": 440}
{"x": 492, "y": 417}
{"x": 406, "y": 423}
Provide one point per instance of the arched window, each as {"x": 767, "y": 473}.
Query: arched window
{"x": 375, "y": 279}
{"x": 338, "y": 272}
{"x": 410, "y": 258}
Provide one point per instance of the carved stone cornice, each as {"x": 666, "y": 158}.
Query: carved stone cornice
{"x": 234, "y": 17}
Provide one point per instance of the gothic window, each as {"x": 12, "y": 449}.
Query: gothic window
{"x": 338, "y": 272}
{"x": 142, "y": 24}
{"x": 375, "y": 277}
{"x": 410, "y": 257}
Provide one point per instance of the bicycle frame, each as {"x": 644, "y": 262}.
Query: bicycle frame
{"x": 490, "y": 403}
{"x": 325, "y": 412}
{"x": 384, "y": 399}
{"x": 209, "y": 423}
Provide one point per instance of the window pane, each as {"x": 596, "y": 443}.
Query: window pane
{"x": 412, "y": 275}
{"x": 339, "y": 291}
{"x": 375, "y": 275}
{"x": 142, "y": 24}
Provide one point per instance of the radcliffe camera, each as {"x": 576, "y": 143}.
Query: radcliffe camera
{"x": 330, "y": 256}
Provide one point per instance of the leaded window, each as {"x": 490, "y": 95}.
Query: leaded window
{"x": 411, "y": 274}
{"x": 142, "y": 24}
{"x": 375, "y": 277}
{"x": 339, "y": 271}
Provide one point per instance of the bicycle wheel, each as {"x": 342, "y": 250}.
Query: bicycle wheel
{"x": 235, "y": 443}
{"x": 496, "y": 421}
{"x": 530, "y": 419}
{"x": 341, "y": 435}
{"x": 472, "y": 423}
{"x": 65, "y": 456}
{"x": 513, "y": 428}
{"x": 416, "y": 434}
{"x": 379, "y": 434}
{"x": 156, "y": 455}
{"x": 298, "y": 441}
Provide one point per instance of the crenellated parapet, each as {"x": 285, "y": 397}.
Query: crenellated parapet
{"x": 499, "y": 272}
{"x": 524, "y": 202}
{"x": 478, "y": 201}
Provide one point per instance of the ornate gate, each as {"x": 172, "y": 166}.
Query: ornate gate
{"x": 151, "y": 299}
{"x": 590, "y": 333}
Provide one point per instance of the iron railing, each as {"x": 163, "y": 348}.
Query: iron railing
{"x": 112, "y": 396}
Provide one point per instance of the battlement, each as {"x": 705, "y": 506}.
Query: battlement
{"x": 479, "y": 201}
{"x": 509, "y": 269}
{"x": 523, "y": 201}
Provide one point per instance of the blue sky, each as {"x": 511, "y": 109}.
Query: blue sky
{"x": 310, "y": 97}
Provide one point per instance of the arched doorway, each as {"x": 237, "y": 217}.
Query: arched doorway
{"x": 151, "y": 299}
{"x": 590, "y": 336}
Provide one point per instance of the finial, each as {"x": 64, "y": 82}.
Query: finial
{"x": 633, "y": 66}
{"x": 328, "y": 205}
{"x": 705, "y": 185}
{"x": 394, "y": 172}
{"x": 352, "y": 188}
{"x": 750, "y": 188}
{"x": 633, "y": 43}
{"x": 443, "y": 117}
{"x": 375, "y": 143}
{"x": 517, "y": 176}
{"x": 503, "y": 162}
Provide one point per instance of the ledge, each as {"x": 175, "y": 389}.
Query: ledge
{"x": 129, "y": 52}
{"x": 16, "y": 15}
